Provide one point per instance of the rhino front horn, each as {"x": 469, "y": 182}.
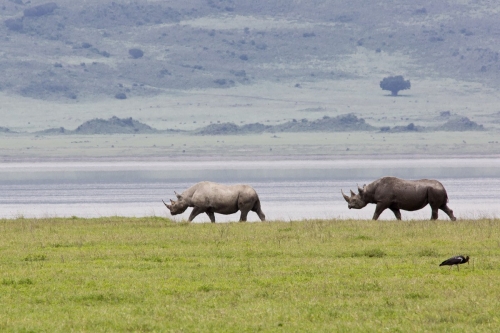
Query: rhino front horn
{"x": 345, "y": 196}
{"x": 168, "y": 206}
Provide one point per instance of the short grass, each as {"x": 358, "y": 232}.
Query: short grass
{"x": 153, "y": 275}
{"x": 267, "y": 145}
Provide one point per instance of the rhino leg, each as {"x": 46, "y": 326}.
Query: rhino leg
{"x": 195, "y": 212}
{"x": 211, "y": 215}
{"x": 448, "y": 211}
{"x": 243, "y": 216}
{"x": 378, "y": 210}
{"x": 434, "y": 215}
{"x": 396, "y": 212}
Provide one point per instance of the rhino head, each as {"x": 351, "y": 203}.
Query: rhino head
{"x": 177, "y": 207}
{"x": 355, "y": 201}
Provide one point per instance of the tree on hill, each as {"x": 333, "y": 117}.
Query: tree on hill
{"x": 395, "y": 84}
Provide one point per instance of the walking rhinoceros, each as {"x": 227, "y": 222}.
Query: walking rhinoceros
{"x": 396, "y": 194}
{"x": 210, "y": 198}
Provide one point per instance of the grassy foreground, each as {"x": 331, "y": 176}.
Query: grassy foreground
{"x": 153, "y": 275}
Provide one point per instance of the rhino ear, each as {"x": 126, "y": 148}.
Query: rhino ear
{"x": 361, "y": 190}
{"x": 345, "y": 196}
{"x": 178, "y": 195}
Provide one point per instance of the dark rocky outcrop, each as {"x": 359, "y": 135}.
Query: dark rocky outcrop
{"x": 460, "y": 124}
{"x": 219, "y": 129}
{"x": 411, "y": 127}
{"x": 342, "y": 123}
{"x": 232, "y": 128}
{"x": 56, "y": 130}
{"x": 113, "y": 125}
{"x": 454, "y": 124}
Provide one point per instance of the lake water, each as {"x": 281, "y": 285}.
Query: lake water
{"x": 288, "y": 190}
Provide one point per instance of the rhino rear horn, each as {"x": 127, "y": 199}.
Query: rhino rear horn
{"x": 345, "y": 196}
{"x": 352, "y": 194}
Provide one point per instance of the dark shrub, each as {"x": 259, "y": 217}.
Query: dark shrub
{"x": 121, "y": 96}
{"x": 220, "y": 81}
{"x": 244, "y": 57}
{"x": 261, "y": 46}
{"x": 135, "y": 53}
{"x": 164, "y": 72}
{"x": 420, "y": 11}
{"x": 14, "y": 24}
{"x": 240, "y": 73}
{"x": 395, "y": 84}
{"x": 40, "y": 10}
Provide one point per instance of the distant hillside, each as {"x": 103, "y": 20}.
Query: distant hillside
{"x": 71, "y": 50}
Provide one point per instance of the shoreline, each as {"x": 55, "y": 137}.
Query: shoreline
{"x": 243, "y": 158}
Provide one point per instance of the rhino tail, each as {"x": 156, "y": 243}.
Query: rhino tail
{"x": 256, "y": 208}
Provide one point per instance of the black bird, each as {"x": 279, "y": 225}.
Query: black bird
{"x": 455, "y": 261}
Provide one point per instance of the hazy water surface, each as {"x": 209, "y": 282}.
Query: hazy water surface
{"x": 288, "y": 189}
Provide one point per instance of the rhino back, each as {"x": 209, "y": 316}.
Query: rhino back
{"x": 208, "y": 194}
{"x": 409, "y": 194}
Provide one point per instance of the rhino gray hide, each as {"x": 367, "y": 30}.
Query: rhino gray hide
{"x": 396, "y": 194}
{"x": 210, "y": 198}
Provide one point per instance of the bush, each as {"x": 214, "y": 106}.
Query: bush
{"x": 121, "y": 96}
{"x": 14, "y": 24}
{"x": 40, "y": 10}
{"x": 394, "y": 84}
{"x": 136, "y": 53}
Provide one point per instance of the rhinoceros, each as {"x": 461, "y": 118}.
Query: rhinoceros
{"x": 396, "y": 194}
{"x": 210, "y": 198}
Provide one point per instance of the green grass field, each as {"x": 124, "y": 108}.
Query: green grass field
{"x": 152, "y": 275}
